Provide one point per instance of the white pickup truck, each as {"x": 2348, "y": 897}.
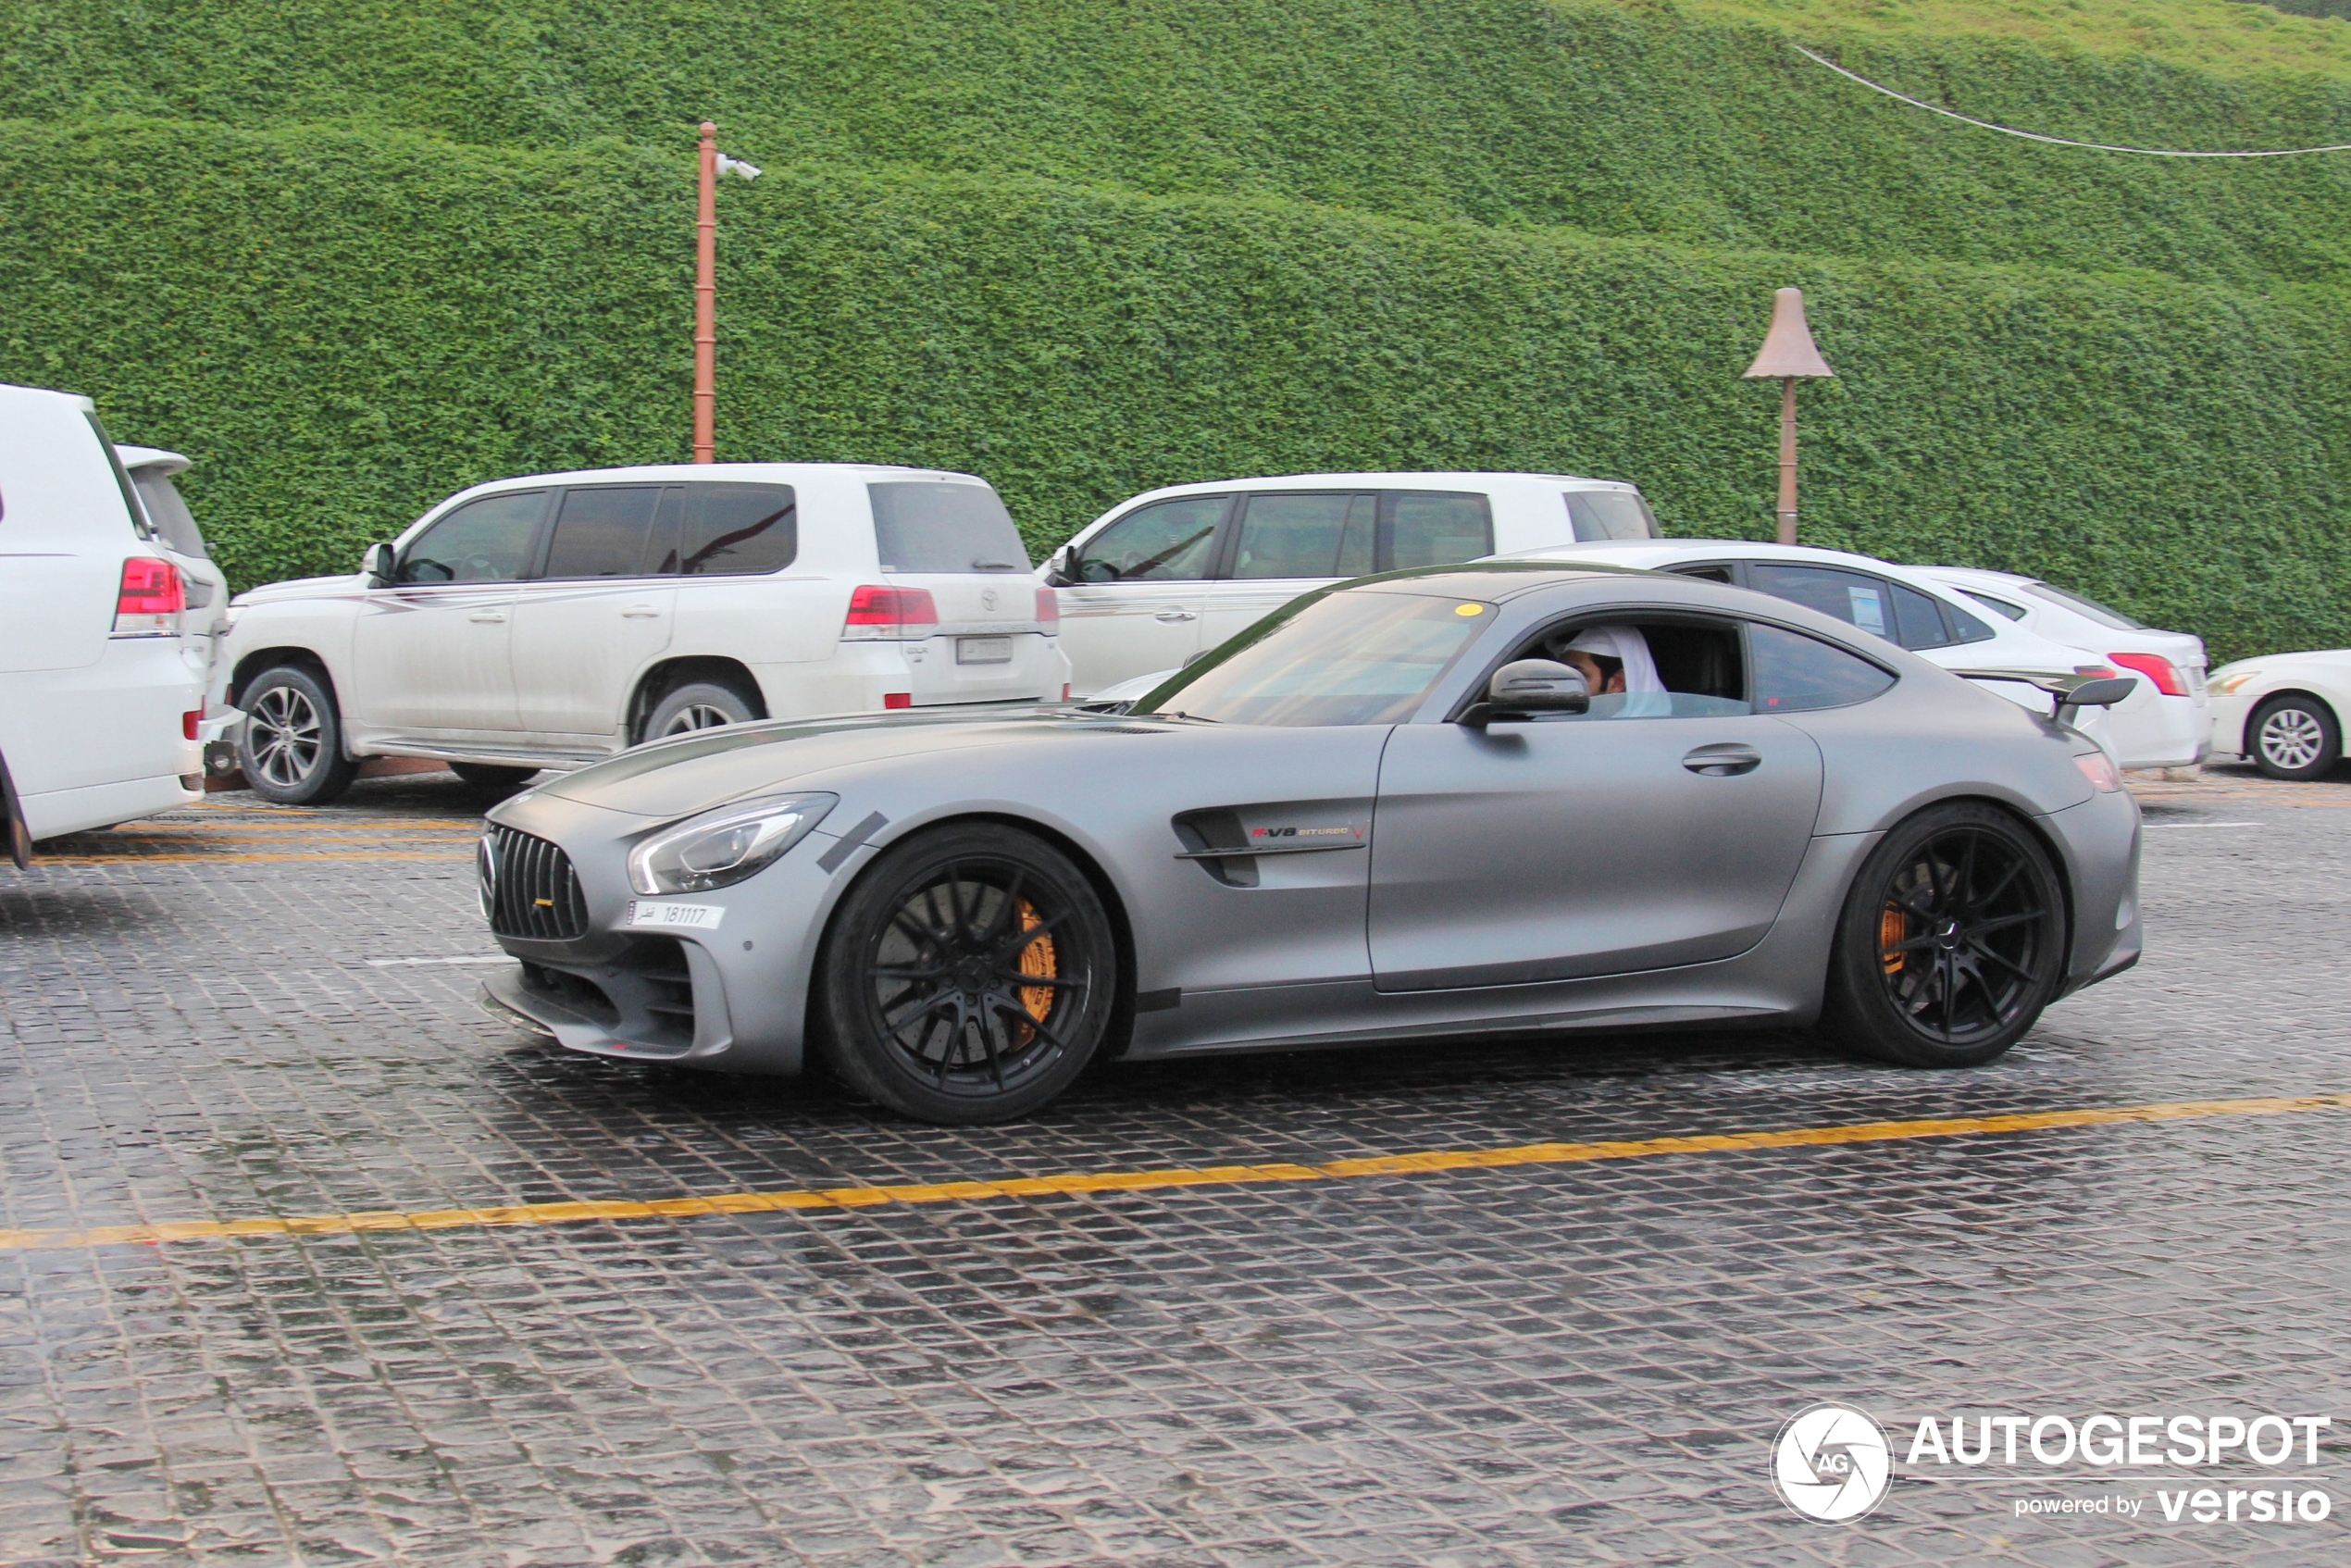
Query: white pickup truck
{"x": 553, "y": 621}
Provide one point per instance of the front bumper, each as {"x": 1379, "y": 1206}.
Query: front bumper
{"x": 731, "y": 996}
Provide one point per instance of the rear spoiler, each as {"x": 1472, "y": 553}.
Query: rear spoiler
{"x": 20, "y": 839}
{"x": 2072, "y": 693}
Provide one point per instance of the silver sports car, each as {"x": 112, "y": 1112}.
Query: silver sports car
{"x": 1434, "y": 803}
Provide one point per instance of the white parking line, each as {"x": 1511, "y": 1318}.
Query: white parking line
{"x": 2156, "y": 824}
{"x": 397, "y": 963}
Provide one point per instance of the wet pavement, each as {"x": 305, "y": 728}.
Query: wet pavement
{"x": 240, "y": 1013}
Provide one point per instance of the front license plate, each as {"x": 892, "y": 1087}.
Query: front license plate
{"x": 983, "y": 650}
{"x": 675, "y": 916}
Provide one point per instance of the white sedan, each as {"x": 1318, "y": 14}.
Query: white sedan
{"x": 2168, "y": 721}
{"x": 2284, "y": 711}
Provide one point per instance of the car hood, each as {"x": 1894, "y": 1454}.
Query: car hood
{"x": 296, "y": 588}
{"x": 2324, "y": 658}
{"x": 693, "y": 773}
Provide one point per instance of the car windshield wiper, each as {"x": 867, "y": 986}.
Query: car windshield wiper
{"x": 1178, "y": 713}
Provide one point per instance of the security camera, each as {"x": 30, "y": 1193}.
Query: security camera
{"x": 736, "y": 166}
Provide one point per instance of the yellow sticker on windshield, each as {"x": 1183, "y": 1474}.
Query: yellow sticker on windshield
{"x": 1469, "y": 609}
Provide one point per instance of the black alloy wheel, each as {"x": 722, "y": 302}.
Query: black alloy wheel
{"x": 969, "y": 977}
{"x": 2296, "y": 737}
{"x": 1951, "y": 943}
{"x": 290, "y": 746}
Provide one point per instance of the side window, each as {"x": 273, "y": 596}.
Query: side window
{"x": 1640, "y": 667}
{"x": 1166, "y": 541}
{"x": 1434, "y": 529}
{"x": 1793, "y": 673}
{"x": 1964, "y": 627}
{"x": 723, "y": 530}
{"x": 604, "y": 532}
{"x": 1849, "y": 596}
{"x": 1294, "y": 534}
{"x": 1707, "y": 572}
{"x": 1609, "y": 514}
{"x": 1998, "y": 606}
{"x": 484, "y": 541}
{"x": 1918, "y": 620}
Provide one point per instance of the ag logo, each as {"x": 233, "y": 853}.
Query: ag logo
{"x": 1831, "y": 1463}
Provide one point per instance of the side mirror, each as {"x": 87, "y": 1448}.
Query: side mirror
{"x": 377, "y": 566}
{"x": 1057, "y": 568}
{"x": 1525, "y": 687}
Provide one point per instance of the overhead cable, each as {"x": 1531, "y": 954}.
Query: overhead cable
{"x": 2056, "y": 141}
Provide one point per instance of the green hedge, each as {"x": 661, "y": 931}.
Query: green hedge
{"x": 352, "y": 257}
{"x": 343, "y": 326}
{"x": 1634, "y": 120}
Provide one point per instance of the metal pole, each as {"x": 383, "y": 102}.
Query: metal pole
{"x": 1788, "y": 460}
{"x": 706, "y": 302}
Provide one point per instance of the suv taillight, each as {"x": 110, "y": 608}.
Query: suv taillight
{"x": 1049, "y": 610}
{"x": 2157, "y": 668}
{"x": 875, "y": 611}
{"x": 150, "y": 599}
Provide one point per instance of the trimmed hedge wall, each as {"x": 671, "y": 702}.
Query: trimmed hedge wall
{"x": 1086, "y": 249}
{"x": 343, "y": 328}
{"x": 1634, "y": 120}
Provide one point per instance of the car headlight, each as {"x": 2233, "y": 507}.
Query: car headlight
{"x": 720, "y": 848}
{"x": 2223, "y": 685}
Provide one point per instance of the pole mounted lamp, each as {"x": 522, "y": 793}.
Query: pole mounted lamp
{"x": 1789, "y": 356}
{"x": 706, "y": 289}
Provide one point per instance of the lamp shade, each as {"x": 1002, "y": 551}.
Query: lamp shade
{"x": 1787, "y": 347}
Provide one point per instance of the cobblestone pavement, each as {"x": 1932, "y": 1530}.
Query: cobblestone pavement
{"x": 237, "y": 1012}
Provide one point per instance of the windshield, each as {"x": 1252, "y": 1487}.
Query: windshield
{"x": 2113, "y": 620}
{"x": 1609, "y": 514}
{"x": 925, "y": 525}
{"x": 1342, "y": 658}
{"x": 170, "y": 514}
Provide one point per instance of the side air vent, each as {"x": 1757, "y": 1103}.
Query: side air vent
{"x": 529, "y": 889}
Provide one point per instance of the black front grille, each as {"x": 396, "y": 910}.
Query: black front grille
{"x": 530, "y": 888}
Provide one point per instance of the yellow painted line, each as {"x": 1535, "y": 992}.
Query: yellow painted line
{"x": 223, "y": 855}
{"x": 184, "y": 840}
{"x": 1079, "y": 1183}
{"x": 319, "y": 825}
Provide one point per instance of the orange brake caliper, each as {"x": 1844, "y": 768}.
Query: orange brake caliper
{"x": 1038, "y": 959}
{"x": 1893, "y": 929}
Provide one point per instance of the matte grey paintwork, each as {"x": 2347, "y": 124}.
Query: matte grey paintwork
{"x": 1544, "y": 875}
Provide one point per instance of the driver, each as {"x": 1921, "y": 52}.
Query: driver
{"x": 1616, "y": 659}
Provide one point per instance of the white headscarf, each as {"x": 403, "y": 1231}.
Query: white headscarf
{"x": 1629, "y": 648}
{"x": 1645, "y": 695}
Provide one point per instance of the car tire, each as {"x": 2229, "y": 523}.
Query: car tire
{"x": 1951, "y": 942}
{"x": 290, "y": 746}
{"x": 969, "y": 977}
{"x": 2296, "y": 738}
{"x": 698, "y": 704}
{"x": 491, "y": 775}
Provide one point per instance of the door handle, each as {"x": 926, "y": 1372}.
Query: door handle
{"x": 1172, "y": 616}
{"x": 640, "y": 612}
{"x": 488, "y": 618}
{"x": 1723, "y": 759}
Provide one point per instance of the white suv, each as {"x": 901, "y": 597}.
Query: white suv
{"x": 100, "y": 696}
{"x": 551, "y": 621}
{"x": 1173, "y": 572}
